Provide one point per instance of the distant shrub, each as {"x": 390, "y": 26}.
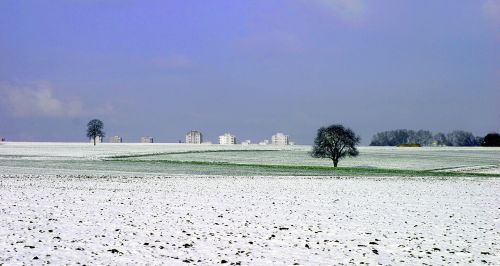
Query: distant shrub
{"x": 491, "y": 140}
{"x": 409, "y": 145}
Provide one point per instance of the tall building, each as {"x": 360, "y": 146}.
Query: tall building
{"x": 116, "y": 139}
{"x": 227, "y": 139}
{"x": 280, "y": 139}
{"x": 194, "y": 137}
{"x": 147, "y": 139}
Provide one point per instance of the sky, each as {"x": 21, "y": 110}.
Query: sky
{"x": 251, "y": 68}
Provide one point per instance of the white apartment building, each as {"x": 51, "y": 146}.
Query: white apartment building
{"x": 116, "y": 139}
{"x": 227, "y": 139}
{"x": 264, "y": 142}
{"x": 246, "y": 142}
{"x": 147, "y": 139}
{"x": 194, "y": 137}
{"x": 280, "y": 139}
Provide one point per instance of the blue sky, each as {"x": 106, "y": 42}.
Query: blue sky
{"x": 253, "y": 68}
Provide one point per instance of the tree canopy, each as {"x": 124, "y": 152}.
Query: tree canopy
{"x": 95, "y": 129}
{"x": 335, "y": 142}
{"x": 424, "y": 138}
{"x": 491, "y": 140}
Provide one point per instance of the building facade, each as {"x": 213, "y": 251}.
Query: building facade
{"x": 280, "y": 139}
{"x": 147, "y": 139}
{"x": 194, "y": 137}
{"x": 227, "y": 139}
{"x": 264, "y": 142}
{"x": 116, "y": 139}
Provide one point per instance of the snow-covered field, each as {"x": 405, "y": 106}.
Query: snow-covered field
{"x": 474, "y": 159}
{"x": 87, "y": 151}
{"x": 257, "y": 221}
{"x": 373, "y": 157}
{"x": 65, "y": 204}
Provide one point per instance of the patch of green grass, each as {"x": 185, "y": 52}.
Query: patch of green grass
{"x": 305, "y": 170}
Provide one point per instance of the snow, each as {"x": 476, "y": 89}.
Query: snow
{"x": 64, "y": 203}
{"x": 258, "y": 221}
{"x": 427, "y": 158}
{"x": 485, "y": 169}
{"x": 72, "y": 151}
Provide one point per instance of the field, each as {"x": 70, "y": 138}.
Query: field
{"x": 238, "y": 160}
{"x": 238, "y": 205}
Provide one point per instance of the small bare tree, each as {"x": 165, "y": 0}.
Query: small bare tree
{"x": 335, "y": 142}
{"x": 95, "y": 129}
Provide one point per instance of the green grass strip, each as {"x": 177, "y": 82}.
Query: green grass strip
{"x": 317, "y": 170}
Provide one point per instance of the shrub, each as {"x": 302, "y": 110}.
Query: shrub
{"x": 409, "y": 145}
{"x": 491, "y": 140}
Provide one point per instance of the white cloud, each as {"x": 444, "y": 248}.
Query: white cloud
{"x": 38, "y": 99}
{"x": 350, "y": 10}
{"x": 491, "y": 9}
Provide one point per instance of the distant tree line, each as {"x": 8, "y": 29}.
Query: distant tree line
{"x": 426, "y": 138}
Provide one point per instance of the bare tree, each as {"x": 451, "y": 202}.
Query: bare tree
{"x": 335, "y": 142}
{"x": 423, "y": 137}
{"x": 392, "y": 137}
{"x": 440, "y": 139}
{"x": 461, "y": 138}
{"x": 95, "y": 129}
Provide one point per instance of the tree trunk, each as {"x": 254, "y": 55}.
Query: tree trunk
{"x": 335, "y": 162}
{"x": 94, "y": 140}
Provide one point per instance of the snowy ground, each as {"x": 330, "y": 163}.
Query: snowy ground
{"x": 258, "y": 221}
{"x": 18, "y": 157}
{"x": 65, "y": 204}
{"x": 87, "y": 151}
